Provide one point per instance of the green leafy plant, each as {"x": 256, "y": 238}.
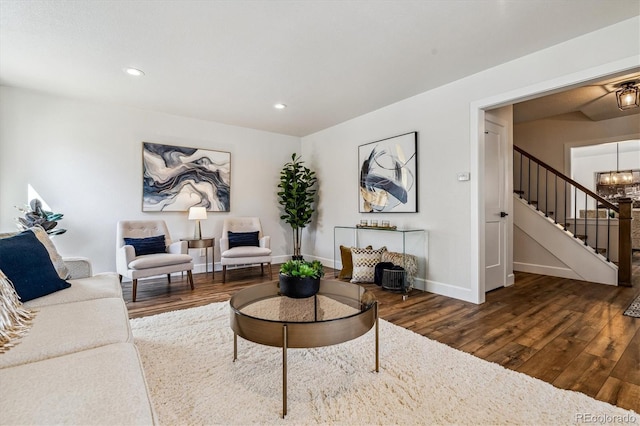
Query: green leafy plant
{"x": 302, "y": 269}
{"x": 297, "y": 196}
{"x": 34, "y": 215}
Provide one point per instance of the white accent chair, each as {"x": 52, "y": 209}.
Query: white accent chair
{"x": 175, "y": 259}
{"x": 244, "y": 255}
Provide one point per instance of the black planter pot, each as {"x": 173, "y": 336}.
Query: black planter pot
{"x": 298, "y": 288}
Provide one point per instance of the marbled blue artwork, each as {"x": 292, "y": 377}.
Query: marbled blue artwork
{"x": 176, "y": 178}
{"x": 388, "y": 175}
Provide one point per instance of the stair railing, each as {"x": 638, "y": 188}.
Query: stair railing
{"x": 562, "y": 200}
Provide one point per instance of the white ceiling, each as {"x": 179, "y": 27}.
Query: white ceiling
{"x": 596, "y": 100}
{"x": 230, "y": 61}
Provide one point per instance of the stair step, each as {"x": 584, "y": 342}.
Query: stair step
{"x": 518, "y": 192}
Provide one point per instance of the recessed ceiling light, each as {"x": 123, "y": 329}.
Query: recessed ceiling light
{"x": 279, "y": 106}
{"x": 134, "y": 72}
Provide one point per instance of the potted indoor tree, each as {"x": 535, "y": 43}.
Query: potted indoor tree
{"x": 297, "y": 196}
{"x": 300, "y": 278}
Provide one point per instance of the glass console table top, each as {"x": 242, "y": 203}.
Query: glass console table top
{"x": 379, "y": 228}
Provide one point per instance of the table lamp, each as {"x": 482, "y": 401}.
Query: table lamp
{"x": 197, "y": 213}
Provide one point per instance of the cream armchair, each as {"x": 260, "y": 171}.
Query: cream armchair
{"x": 174, "y": 257}
{"x": 243, "y": 243}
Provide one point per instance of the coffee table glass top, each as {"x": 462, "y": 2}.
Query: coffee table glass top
{"x": 338, "y": 313}
{"x": 335, "y": 300}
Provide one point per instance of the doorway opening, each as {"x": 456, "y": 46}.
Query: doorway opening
{"x": 478, "y": 117}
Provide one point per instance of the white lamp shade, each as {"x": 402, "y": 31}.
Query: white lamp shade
{"x": 197, "y": 213}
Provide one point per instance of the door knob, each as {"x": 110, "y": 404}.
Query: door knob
{"x": 504, "y": 214}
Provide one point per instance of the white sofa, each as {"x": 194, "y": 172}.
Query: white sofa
{"x": 77, "y": 364}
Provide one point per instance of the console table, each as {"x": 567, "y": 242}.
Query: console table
{"x": 405, "y": 241}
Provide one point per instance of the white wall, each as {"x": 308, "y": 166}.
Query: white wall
{"x": 85, "y": 160}
{"x": 448, "y": 134}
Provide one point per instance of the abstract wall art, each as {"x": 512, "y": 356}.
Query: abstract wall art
{"x": 175, "y": 178}
{"x": 389, "y": 175}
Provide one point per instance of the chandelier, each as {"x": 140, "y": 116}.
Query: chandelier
{"x": 618, "y": 176}
{"x": 628, "y": 96}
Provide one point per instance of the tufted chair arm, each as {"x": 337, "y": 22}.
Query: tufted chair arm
{"x": 224, "y": 244}
{"x": 179, "y": 247}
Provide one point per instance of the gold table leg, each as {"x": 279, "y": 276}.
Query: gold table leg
{"x": 377, "y": 341}
{"x": 235, "y": 347}
{"x": 284, "y": 370}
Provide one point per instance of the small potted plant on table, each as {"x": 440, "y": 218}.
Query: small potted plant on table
{"x": 300, "y": 278}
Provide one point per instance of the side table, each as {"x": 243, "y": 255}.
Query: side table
{"x": 204, "y": 243}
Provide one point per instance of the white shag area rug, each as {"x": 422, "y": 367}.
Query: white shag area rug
{"x": 188, "y": 361}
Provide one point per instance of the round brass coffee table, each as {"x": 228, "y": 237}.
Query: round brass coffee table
{"x": 338, "y": 313}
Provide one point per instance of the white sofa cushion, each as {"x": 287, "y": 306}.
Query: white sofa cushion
{"x": 101, "y": 386}
{"x": 96, "y": 287}
{"x": 157, "y": 260}
{"x": 66, "y": 328}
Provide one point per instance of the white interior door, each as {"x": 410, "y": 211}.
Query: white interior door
{"x": 495, "y": 235}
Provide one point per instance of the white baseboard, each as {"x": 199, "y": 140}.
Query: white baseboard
{"x": 449, "y": 290}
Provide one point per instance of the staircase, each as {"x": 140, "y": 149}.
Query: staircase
{"x": 578, "y": 233}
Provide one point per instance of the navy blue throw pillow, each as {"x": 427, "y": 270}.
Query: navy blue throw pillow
{"x": 149, "y": 245}
{"x": 241, "y": 239}
{"x": 26, "y": 262}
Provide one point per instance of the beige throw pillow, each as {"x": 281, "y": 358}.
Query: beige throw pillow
{"x": 15, "y": 321}
{"x": 364, "y": 263}
{"x": 408, "y": 261}
{"x": 56, "y": 259}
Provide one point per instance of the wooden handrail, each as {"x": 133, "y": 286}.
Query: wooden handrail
{"x": 599, "y": 199}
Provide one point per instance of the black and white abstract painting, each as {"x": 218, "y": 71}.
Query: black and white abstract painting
{"x": 176, "y": 178}
{"x": 388, "y": 175}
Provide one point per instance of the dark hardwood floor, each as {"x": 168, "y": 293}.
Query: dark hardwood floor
{"x": 569, "y": 333}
